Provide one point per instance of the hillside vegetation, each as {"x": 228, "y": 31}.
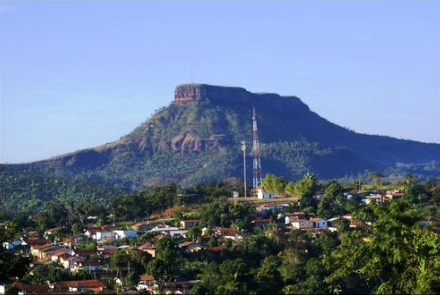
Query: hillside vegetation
{"x": 199, "y": 141}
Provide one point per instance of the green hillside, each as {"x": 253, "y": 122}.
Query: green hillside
{"x": 197, "y": 139}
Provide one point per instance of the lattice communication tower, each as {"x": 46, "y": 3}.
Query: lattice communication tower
{"x": 257, "y": 179}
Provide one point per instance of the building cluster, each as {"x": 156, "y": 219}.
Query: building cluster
{"x": 66, "y": 251}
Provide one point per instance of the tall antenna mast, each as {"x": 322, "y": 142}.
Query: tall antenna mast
{"x": 256, "y": 153}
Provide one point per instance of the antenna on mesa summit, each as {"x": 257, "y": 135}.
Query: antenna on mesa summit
{"x": 192, "y": 78}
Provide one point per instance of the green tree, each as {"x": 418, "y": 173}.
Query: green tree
{"x": 274, "y": 183}
{"x": 326, "y": 207}
{"x": 230, "y": 277}
{"x": 292, "y": 265}
{"x": 268, "y": 276}
{"x": 119, "y": 260}
{"x": 194, "y": 233}
{"x": 304, "y": 189}
{"x": 395, "y": 255}
{"x": 11, "y": 265}
{"x": 167, "y": 263}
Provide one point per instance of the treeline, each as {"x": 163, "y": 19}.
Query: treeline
{"x": 388, "y": 251}
{"x": 27, "y": 191}
{"x": 71, "y": 214}
{"x": 334, "y": 192}
{"x": 394, "y": 255}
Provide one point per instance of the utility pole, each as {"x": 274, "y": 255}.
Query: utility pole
{"x": 243, "y": 148}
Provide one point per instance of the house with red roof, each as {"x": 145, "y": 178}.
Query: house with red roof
{"x": 81, "y": 286}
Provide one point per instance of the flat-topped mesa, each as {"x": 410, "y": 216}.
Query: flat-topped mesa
{"x": 191, "y": 92}
{"x": 186, "y": 93}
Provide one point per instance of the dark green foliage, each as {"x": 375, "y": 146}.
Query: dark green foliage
{"x": 389, "y": 253}
{"x": 221, "y": 212}
{"x": 27, "y": 191}
{"x": 54, "y": 273}
{"x": 229, "y": 277}
{"x": 395, "y": 256}
{"x": 11, "y": 265}
{"x": 274, "y": 184}
{"x": 168, "y": 262}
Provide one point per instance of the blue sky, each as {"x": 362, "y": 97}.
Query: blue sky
{"x": 77, "y": 74}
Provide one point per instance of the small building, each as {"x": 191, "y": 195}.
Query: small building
{"x": 271, "y": 207}
{"x": 190, "y": 246}
{"x": 40, "y": 250}
{"x": 68, "y": 262}
{"x": 81, "y": 286}
{"x": 189, "y": 223}
{"x": 10, "y": 245}
{"x": 289, "y": 217}
{"x": 148, "y": 247}
{"x": 227, "y": 232}
{"x": 57, "y": 254}
{"x": 163, "y": 229}
{"x": 141, "y": 226}
{"x": 379, "y": 198}
{"x": 24, "y": 288}
{"x": 178, "y": 233}
{"x": 126, "y": 233}
{"x": 50, "y": 231}
{"x": 261, "y": 223}
{"x": 318, "y": 222}
{"x": 107, "y": 249}
{"x": 394, "y": 195}
{"x": 301, "y": 224}
{"x": 87, "y": 265}
{"x": 98, "y": 233}
{"x": 261, "y": 194}
{"x": 146, "y": 282}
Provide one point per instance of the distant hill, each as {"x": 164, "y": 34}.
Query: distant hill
{"x": 197, "y": 139}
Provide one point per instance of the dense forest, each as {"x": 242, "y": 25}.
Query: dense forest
{"x": 389, "y": 252}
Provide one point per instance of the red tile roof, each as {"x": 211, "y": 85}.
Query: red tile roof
{"x": 215, "y": 249}
{"x": 31, "y": 288}
{"x": 147, "y": 245}
{"x": 146, "y": 277}
{"x": 82, "y": 284}
{"x": 36, "y": 241}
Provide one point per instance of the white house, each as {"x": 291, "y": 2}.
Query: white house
{"x": 146, "y": 282}
{"x": 318, "y": 222}
{"x": 68, "y": 262}
{"x": 126, "y": 233}
{"x": 99, "y": 234}
{"x": 163, "y": 229}
{"x": 289, "y": 217}
{"x": 178, "y": 233}
{"x": 12, "y": 244}
{"x": 261, "y": 194}
{"x": 376, "y": 197}
{"x": 301, "y": 224}
{"x": 188, "y": 223}
{"x": 271, "y": 207}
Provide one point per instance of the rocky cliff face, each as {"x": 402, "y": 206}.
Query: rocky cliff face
{"x": 191, "y": 92}
{"x": 186, "y": 93}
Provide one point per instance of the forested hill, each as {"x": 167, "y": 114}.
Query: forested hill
{"x": 197, "y": 139}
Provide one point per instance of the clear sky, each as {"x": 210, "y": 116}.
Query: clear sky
{"x": 77, "y": 74}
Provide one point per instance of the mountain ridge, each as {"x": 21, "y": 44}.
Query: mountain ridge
{"x": 196, "y": 138}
